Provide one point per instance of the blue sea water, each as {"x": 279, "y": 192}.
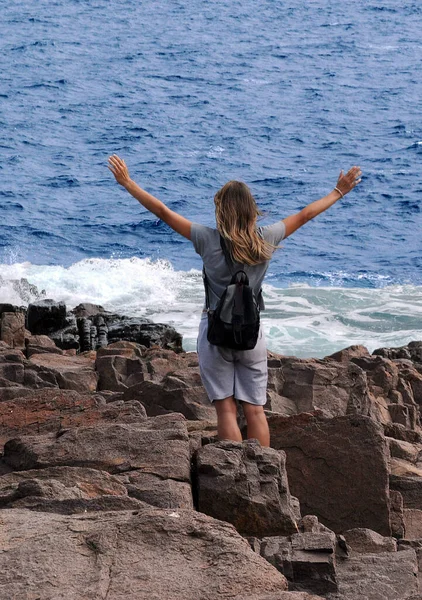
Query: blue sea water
{"x": 191, "y": 94}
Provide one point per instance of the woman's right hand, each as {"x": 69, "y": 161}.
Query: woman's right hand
{"x": 119, "y": 169}
{"x": 346, "y": 183}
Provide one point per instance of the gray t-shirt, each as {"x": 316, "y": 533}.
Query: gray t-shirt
{"x": 206, "y": 241}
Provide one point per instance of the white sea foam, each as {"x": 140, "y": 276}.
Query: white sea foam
{"x": 300, "y": 320}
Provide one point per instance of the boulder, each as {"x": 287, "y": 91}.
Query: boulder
{"x": 64, "y": 490}
{"x": 246, "y": 485}
{"x": 412, "y": 518}
{"x": 338, "y": 468}
{"x": 366, "y": 541}
{"x": 70, "y": 372}
{"x": 381, "y": 576}
{"x": 46, "y": 316}
{"x": 348, "y": 353}
{"x": 412, "y": 351}
{"x": 399, "y": 432}
{"x": 404, "y": 450}
{"x": 117, "y": 373}
{"x": 41, "y": 344}
{"x": 307, "y": 560}
{"x": 164, "y": 398}
{"x": 333, "y": 387}
{"x": 50, "y": 410}
{"x": 12, "y": 329}
{"x": 153, "y": 555}
{"x": 143, "y": 331}
{"x": 164, "y": 493}
{"x": 410, "y": 489}
{"x": 158, "y": 446}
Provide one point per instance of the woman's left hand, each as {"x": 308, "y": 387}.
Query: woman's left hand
{"x": 346, "y": 183}
{"x": 119, "y": 169}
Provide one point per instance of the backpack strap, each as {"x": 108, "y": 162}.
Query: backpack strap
{"x": 207, "y": 290}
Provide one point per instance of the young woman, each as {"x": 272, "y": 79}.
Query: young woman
{"x": 230, "y": 375}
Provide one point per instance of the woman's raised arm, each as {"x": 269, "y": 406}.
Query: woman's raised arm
{"x": 345, "y": 184}
{"x": 120, "y": 171}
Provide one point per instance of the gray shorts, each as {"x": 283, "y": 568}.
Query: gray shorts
{"x": 239, "y": 373}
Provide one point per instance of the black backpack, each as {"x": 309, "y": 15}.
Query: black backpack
{"x": 235, "y": 321}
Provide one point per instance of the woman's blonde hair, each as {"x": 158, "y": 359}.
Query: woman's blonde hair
{"x": 236, "y": 213}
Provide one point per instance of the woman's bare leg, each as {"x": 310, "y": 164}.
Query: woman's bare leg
{"x": 257, "y": 423}
{"x": 227, "y": 426}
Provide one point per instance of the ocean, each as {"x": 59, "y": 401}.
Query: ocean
{"x": 279, "y": 95}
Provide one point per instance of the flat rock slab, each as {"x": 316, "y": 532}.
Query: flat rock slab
{"x": 246, "y": 485}
{"x": 172, "y": 395}
{"x": 158, "y": 446}
{"x": 71, "y": 372}
{"x": 366, "y": 541}
{"x": 49, "y": 410}
{"x": 338, "y": 468}
{"x": 63, "y": 483}
{"x": 164, "y": 493}
{"x": 387, "y": 576}
{"x": 152, "y": 555}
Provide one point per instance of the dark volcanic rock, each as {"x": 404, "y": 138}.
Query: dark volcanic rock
{"x": 338, "y": 468}
{"x": 413, "y": 351}
{"x": 151, "y": 555}
{"x": 46, "y": 316}
{"x": 143, "y": 331}
{"x": 246, "y": 485}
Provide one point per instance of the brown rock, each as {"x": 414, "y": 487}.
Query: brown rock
{"x": 49, "y": 410}
{"x": 158, "y": 446}
{"x": 384, "y": 576}
{"x": 348, "y": 353}
{"x": 403, "y": 468}
{"x": 412, "y": 518}
{"x": 246, "y": 485}
{"x": 71, "y": 372}
{"x": 338, "y": 468}
{"x": 12, "y": 329}
{"x": 152, "y": 555}
{"x": 41, "y": 344}
{"x": 64, "y": 490}
{"x": 193, "y": 403}
{"x": 399, "y": 432}
{"x": 72, "y": 482}
{"x": 122, "y": 348}
{"x": 117, "y": 373}
{"x": 306, "y": 559}
{"x": 404, "y": 450}
{"x": 366, "y": 541}
{"x": 164, "y": 493}
{"x": 333, "y": 387}
{"x": 410, "y": 489}
{"x": 396, "y": 514}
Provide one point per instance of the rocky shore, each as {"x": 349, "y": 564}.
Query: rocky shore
{"x": 113, "y": 483}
